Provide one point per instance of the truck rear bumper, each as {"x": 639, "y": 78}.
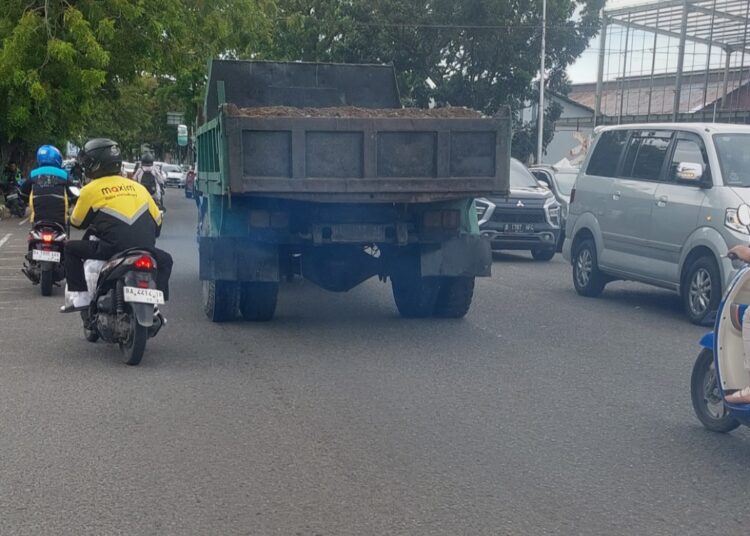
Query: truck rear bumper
{"x": 243, "y": 259}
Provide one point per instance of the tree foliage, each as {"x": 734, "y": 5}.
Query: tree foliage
{"x": 477, "y": 53}
{"x": 76, "y": 68}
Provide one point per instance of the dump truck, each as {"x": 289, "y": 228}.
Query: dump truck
{"x": 316, "y": 170}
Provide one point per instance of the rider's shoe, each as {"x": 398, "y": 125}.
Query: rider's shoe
{"x": 739, "y": 397}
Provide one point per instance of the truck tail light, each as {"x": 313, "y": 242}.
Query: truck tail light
{"x": 442, "y": 219}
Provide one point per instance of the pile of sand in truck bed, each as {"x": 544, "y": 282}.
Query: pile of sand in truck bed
{"x": 354, "y": 112}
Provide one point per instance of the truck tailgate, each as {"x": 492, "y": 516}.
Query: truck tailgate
{"x": 393, "y": 159}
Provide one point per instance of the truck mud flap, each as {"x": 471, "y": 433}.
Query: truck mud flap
{"x": 466, "y": 256}
{"x": 238, "y": 259}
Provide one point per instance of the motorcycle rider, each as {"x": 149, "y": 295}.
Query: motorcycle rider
{"x": 119, "y": 212}
{"x": 150, "y": 177}
{"x": 743, "y": 395}
{"x": 10, "y": 177}
{"x": 47, "y": 188}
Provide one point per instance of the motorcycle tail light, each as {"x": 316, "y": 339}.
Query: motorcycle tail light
{"x": 47, "y": 238}
{"x": 143, "y": 283}
{"x": 145, "y": 263}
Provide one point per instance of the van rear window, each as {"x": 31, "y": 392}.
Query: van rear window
{"x": 607, "y": 153}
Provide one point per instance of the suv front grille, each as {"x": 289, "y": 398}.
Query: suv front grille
{"x": 518, "y": 216}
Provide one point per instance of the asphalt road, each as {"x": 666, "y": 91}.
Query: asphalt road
{"x": 540, "y": 413}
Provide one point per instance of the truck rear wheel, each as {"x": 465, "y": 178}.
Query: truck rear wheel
{"x": 454, "y": 298}
{"x": 415, "y": 296}
{"x": 258, "y": 301}
{"x": 220, "y": 300}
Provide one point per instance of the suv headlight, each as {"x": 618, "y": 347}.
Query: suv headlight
{"x": 484, "y": 210}
{"x": 552, "y": 208}
{"x": 738, "y": 219}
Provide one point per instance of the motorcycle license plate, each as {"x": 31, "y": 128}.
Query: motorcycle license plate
{"x": 143, "y": 295}
{"x": 45, "y": 256}
{"x": 519, "y": 228}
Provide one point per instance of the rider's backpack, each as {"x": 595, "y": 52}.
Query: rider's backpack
{"x": 148, "y": 180}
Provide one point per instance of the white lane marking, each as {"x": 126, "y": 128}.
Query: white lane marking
{"x": 23, "y": 221}
{"x": 4, "y": 239}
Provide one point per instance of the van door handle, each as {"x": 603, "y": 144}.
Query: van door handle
{"x": 662, "y": 201}
{"x": 616, "y": 196}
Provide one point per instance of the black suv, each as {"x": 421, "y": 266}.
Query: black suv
{"x": 528, "y": 219}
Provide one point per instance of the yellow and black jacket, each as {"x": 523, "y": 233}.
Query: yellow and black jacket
{"x": 118, "y": 211}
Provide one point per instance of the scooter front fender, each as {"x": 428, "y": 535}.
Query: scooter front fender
{"x": 707, "y": 341}
{"x": 144, "y": 314}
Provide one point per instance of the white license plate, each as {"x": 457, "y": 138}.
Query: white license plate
{"x": 519, "y": 228}
{"x": 45, "y": 256}
{"x": 143, "y": 295}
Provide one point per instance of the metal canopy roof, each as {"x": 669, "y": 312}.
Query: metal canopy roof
{"x": 720, "y": 23}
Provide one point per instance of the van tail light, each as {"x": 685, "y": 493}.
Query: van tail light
{"x": 144, "y": 263}
{"x": 572, "y": 195}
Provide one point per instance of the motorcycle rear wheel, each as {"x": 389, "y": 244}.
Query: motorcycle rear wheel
{"x": 705, "y": 394}
{"x": 45, "y": 282}
{"x": 132, "y": 349}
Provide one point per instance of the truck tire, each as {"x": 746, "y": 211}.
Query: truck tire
{"x": 258, "y": 301}
{"x": 454, "y": 298}
{"x": 415, "y": 296}
{"x": 220, "y": 300}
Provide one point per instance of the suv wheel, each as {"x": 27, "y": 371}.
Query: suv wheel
{"x": 587, "y": 278}
{"x": 701, "y": 291}
{"x": 541, "y": 254}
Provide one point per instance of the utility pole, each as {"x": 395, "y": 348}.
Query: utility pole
{"x": 540, "y": 113}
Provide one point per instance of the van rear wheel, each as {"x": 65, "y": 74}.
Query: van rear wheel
{"x": 701, "y": 289}
{"x": 587, "y": 278}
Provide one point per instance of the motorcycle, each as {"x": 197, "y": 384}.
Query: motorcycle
{"x": 15, "y": 202}
{"x": 124, "y": 306}
{"x": 719, "y": 368}
{"x": 43, "y": 264}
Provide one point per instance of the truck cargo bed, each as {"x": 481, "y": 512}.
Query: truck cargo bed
{"x": 407, "y": 157}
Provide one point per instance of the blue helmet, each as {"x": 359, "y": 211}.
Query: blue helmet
{"x": 49, "y": 155}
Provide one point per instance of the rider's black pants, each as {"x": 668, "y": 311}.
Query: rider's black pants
{"x": 77, "y": 251}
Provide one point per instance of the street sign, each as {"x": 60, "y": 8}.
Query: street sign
{"x": 175, "y": 118}
{"x": 182, "y": 135}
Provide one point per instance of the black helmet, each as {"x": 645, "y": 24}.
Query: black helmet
{"x": 100, "y": 157}
{"x": 147, "y": 159}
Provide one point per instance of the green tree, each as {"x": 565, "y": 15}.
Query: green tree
{"x": 74, "y": 67}
{"x": 476, "y": 53}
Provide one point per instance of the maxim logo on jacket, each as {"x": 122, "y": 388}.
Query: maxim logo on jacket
{"x": 109, "y": 190}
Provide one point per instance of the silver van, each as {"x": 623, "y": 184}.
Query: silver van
{"x": 661, "y": 204}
